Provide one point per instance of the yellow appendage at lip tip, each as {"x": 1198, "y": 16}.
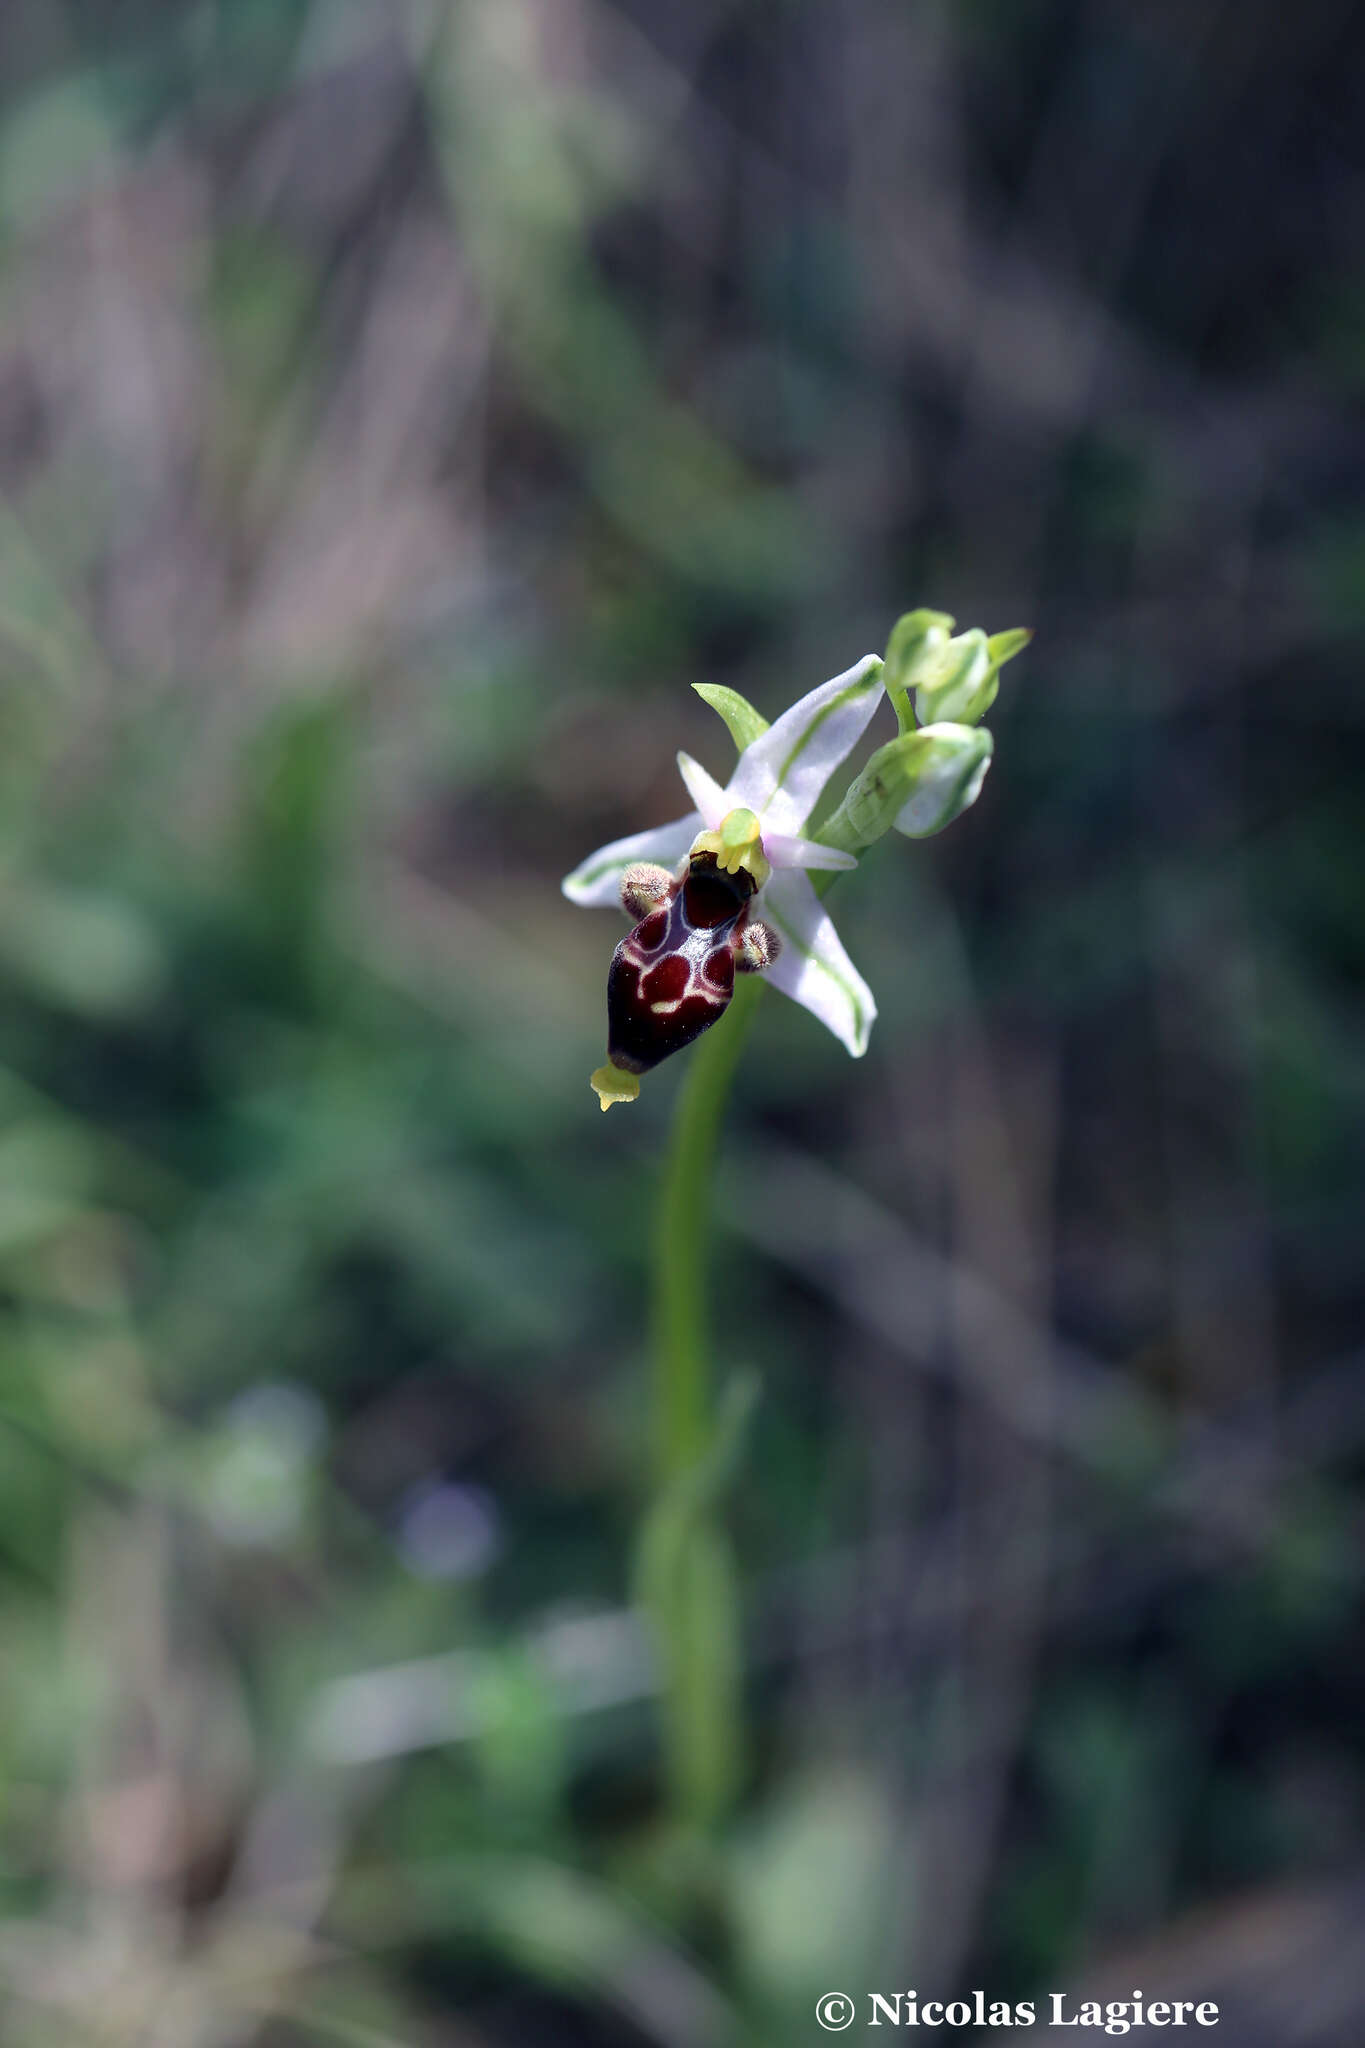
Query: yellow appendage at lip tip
{"x": 612, "y": 1084}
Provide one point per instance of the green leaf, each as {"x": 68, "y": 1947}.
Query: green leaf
{"x": 746, "y": 725}
{"x": 689, "y": 1587}
{"x": 688, "y": 1584}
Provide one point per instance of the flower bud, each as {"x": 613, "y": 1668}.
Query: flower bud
{"x": 946, "y": 766}
{"x": 917, "y": 638}
{"x": 918, "y": 782}
{"x": 957, "y": 682}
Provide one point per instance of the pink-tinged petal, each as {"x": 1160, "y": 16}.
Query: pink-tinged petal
{"x": 705, "y": 792}
{"x": 598, "y": 880}
{"x": 782, "y": 774}
{"x": 785, "y": 852}
{"x": 813, "y": 968}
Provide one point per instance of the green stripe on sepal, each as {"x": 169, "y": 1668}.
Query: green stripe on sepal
{"x": 746, "y": 725}
{"x": 918, "y": 782}
{"x": 868, "y": 677}
{"x": 862, "y": 1022}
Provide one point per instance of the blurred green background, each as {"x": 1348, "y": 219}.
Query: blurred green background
{"x": 400, "y": 405}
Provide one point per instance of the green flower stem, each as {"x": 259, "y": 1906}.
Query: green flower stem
{"x": 681, "y": 1321}
{"x": 688, "y": 1582}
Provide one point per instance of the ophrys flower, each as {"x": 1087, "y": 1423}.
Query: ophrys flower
{"x": 724, "y": 888}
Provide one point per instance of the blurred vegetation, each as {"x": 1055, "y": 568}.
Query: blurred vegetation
{"x": 400, "y": 405}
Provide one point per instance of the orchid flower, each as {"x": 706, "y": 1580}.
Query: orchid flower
{"x": 726, "y": 887}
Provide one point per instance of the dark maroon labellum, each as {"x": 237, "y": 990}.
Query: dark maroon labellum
{"x": 673, "y": 976}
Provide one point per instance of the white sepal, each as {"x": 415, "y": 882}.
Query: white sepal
{"x": 781, "y": 775}
{"x": 813, "y": 968}
{"x": 597, "y": 882}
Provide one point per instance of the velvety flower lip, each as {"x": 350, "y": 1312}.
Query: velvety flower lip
{"x": 779, "y": 778}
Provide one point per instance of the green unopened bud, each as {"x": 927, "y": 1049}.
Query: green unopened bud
{"x": 947, "y": 766}
{"x": 957, "y": 683}
{"x": 918, "y": 782}
{"x": 916, "y": 640}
